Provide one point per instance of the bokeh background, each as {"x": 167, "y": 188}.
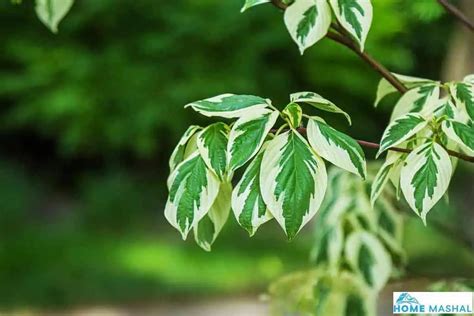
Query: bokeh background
{"x": 89, "y": 117}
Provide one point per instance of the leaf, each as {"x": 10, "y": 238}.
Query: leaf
{"x": 247, "y": 201}
{"x": 51, "y": 12}
{"x": 355, "y": 17}
{"x": 209, "y": 227}
{"x": 422, "y": 99}
{"x": 318, "y": 102}
{"x": 229, "y": 105}
{"x": 385, "y": 88}
{"x": 336, "y": 147}
{"x": 463, "y": 94}
{"x": 247, "y": 136}
{"x": 179, "y": 151}
{"x": 293, "y": 181}
{"x": 367, "y": 256}
{"x": 425, "y": 177}
{"x": 293, "y": 114}
{"x": 400, "y": 130}
{"x": 446, "y": 109}
{"x": 390, "y": 226}
{"x": 382, "y": 177}
{"x": 193, "y": 189}
{"x": 212, "y": 145}
{"x": 251, "y": 3}
{"x": 308, "y": 21}
{"x": 329, "y": 245}
{"x": 469, "y": 79}
{"x": 460, "y": 134}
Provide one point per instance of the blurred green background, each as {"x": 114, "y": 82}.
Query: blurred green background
{"x": 90, "y": 116}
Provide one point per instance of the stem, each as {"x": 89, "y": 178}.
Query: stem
{"x": 457, "y": 14}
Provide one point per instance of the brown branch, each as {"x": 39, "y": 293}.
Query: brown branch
{"x": 457, "y": 14}
{"x": 371, "y": 145}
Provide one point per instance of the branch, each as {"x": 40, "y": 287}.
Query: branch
{"x": 367, "y": 144}
{"x": 457, "y": 14}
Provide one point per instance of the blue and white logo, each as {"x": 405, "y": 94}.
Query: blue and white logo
{"x": 432, "y": 302}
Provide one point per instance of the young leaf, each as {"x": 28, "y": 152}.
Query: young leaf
{"x": 179, "y": 151}
{"x": 51, "y": 12}
{"x": 251, "y": 3}
{"x": 247, "y": 201}
{"x": 247, "y": 136}
{"x": 212, "y": 145}
{"x": 422, "y": 99}
{"x": 355, "y": 17}
{"x": 229, "y": 105}
{"x": 382, "y": 177}
{"x": 368, "y": 257}
{"x": 336, "y": 147}
{"x": 293, "y": 114}
{"x": 463, "y": 94}
{"x": 293, "y": 181}
{"x": 318, "y": 102}
{"x": 308, "y": 21}
{"x": 460, "y": 134}
{"x": 400, "y": 130}
{"x": 209, "y": 227}
{"x": 425, "y": 177}
{"x": 193, "y": 189}
{"x": 385, "y": 88}
{"x": 446, "y": 109}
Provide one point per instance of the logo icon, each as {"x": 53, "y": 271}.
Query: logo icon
{"x": 406, "y": 298}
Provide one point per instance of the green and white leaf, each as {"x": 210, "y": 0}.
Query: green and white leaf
{"x": 247, "y": 201}
{"x": 382, "y": 177}
{"x": 209, "y": 227}
{"x": 293, "y": 114}
{"x": 293, "y": 181}
{"x": 355, "y": 16}
{"x": 51, "y": 12}
{"x": 401, "y": 130}
{"x": 463, "y": 94}
{"x": 469, "y": 79}
{"x": 385, "y": 88}
{"x": 229, "y": 105}
{"x": 336, "y": 147}
{"x": 193, "y": 189}
{"x": 212, "y": 144}
{"x": 308, "y": 21}
{"x": 368, "y": 257}
{"x": 390, "y": 226}
{"x": 318, "y": 102}
{"x": 422, "y": 99}
{"x": 329, "y": 246}
{"x": 251, "y": 3}
{"x": 425, "y": 177}
{"x": 446, "y": 109}
{"x": 461, "y": 134}
{"x": 247, "y": 136}
{"x": 179, "y": 151}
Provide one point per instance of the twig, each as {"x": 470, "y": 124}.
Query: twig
{"x": 457, "y": 14}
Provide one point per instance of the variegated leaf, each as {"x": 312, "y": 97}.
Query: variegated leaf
{"x": 229, "y": 105}
{"x": 425, "y": 177}
{"x": 251, "y": 3}
{"x": 390, "y": 226}
{"x": 400, "y": 130}
{"x": 463, "y": 94}
{"x": 318, "y": 102}
{"x": 355, "y": 16}
{"x": 247, "y": 136}
{"x": 293, "y": 114}
{"x": 193, "y": 189}
{"x": 209, "y": 227}
{"x": 336, "y": 147}
{"x": 461, "y": 134}
{"x": 469, "y": 79}
{"x": 212, "y": 144}
{"x": 329, "y": 245}
{"x": 308, "y": 21}
{"x": 382, "y": 177}
{"x": 179, "y": 151}
{"x": 385, "y": 88}
{"x": 51, "y": 12}
{"x": 247, "y": 201}
{"x": 446, "y": 109}
{"x": 293, "y": 181}
{"x": 422, "y": 99}
{"x": 368, "y": 257}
